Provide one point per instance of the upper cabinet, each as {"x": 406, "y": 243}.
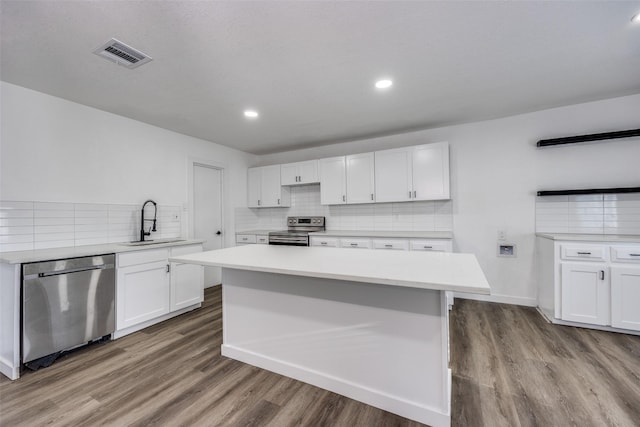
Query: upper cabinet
{"x": 264, "y": 189}
{"x": 333, "y": 181}
{"x": 412, "y": 173}
{"x": 299, "y": 173}
{"x": 347, "y": 179}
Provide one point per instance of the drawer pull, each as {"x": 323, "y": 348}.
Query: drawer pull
{"x": 584, "y": 253}
{"x": 245, "y": 239}
{"x": 354, "y": 244}
{"x": 388, "y": 246}
{"x": 428, "y": 247}
{"x": 634, "y": 254}
{"x": 323, "y": 243}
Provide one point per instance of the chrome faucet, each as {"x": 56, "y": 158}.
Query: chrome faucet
{"x": 142, "y": 220}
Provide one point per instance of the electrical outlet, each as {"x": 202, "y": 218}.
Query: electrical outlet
{"x": 502, "y": 235}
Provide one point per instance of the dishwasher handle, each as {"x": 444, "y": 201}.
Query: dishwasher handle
{"x": 71, "y": 270}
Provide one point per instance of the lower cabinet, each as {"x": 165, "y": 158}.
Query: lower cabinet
{"x": 149, "y": 288}
{"x": 585, "y": 293}
{"x": 625, "y": 297}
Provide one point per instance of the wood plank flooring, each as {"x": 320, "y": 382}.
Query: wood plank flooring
{"x": 510, "y": 367}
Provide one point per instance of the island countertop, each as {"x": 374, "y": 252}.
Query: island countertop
{"x": 426, "y": 270}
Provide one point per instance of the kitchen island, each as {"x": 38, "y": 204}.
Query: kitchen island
{"x": 370, "y": 325}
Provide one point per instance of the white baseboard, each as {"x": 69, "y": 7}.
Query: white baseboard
{"x": 376, "y": 398}
{"x": 503, "y": 299}
{"x": 8, "y": 370}
{"x": 122, "y": 332}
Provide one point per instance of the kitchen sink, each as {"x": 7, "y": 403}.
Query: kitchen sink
{"x": 152, "y": 242}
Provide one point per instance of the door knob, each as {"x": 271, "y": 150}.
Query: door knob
{"x": 218, "y": 232}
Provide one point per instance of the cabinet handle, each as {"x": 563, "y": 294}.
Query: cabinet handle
{"x": 278, "y": 201}
{"x": 344, "y": 198}
{"x": 168, "y": 268}
{"x": 634, "y": 254}
{"x": 428, "y": 247}
{"x": 584, "y": 253}
{"x": 601, "y": 274}
{"x": 409, "y": 194}
{"x": 258, "y": 202}
{"x": 354, "y": 244}
{"x": 323, "y": 243}
{"x": 388, "y": 246}
{"x": 371, "y": 196}
{"x": 414, "y": 194}
{"x": 245, "y": 238}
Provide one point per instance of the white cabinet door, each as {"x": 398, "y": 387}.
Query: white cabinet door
{"x": 254, "y": 187}
{"x": 585, "y": 293}
{"x": 430, "y": 166}
{"x": 333, "y": 190}
{"x": 271, "y": 188}
{"x": 142, "y": 293}
{"x": 360, "y": 178}
{"x": 308, "y": 172}
{"x": 625, "y": 297}
{"x": 289, "y": 174}
{"x": 187, "y": 285}
{"x": 393, "y": 176}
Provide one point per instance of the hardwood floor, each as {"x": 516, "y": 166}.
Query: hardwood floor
{"x": 510, "y": 367}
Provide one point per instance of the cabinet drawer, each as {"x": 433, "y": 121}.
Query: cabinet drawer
{"x": 625, "y": 253}
{"x": 355, "y": 243}
{"x": 330, "y": 242}
{"x": 393, "y": 244}
{"x": 263, "y": 240}
{"x": 142, "y": 257}
{"x": 585, "y": 252}
{"x": 245, "y": 238}
{"x": 431, "y": 245}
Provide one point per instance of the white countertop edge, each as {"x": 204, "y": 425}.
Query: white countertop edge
{"x": 446, "y": 235}
{"x": 36, "y": 255}
{"x": 446, "y": 267}
{"x": 600, "y": 238}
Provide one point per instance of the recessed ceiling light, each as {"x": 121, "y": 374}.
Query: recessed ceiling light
{"x": 252, "y": 114}
{"x": 636, "y": 18}
{"x": 383, "y": 84}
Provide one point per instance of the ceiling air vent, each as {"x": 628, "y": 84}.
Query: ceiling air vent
{"x": 122, "y": 54}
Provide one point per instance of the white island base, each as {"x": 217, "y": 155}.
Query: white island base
{"x": 382, "y": 345}
{"x": 367, "y": 324}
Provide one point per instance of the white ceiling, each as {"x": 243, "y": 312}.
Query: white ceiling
{"x": 309, "y": 67}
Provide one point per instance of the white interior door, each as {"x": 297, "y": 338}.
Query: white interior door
{"x": 207, "y": 214}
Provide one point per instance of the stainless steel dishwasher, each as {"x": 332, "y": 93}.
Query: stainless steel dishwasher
{"x": 65, "y": 303}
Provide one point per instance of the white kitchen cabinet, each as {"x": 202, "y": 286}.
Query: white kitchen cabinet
{"x": 299, "y": 173}
{"x": 391, "y": 244}
{"x": 412, "y": 173}
{"x": 327, "y": 242}
{"x": 347, "y": 179}
{"x": 585, "y": 293}
{"x": 356, "y": 243}
{"x": 333, "y": 181}
{"x": 149, "y": 289}
{"x": 245, "y": 239}
{"x": 432, "y": 245}
{"x": 142, "y": 287}
{"x": 625, "y": 297}
{"x": 187, "y": 280}
{"x": 264, "y": 189}
{"x": 360, "y": 180}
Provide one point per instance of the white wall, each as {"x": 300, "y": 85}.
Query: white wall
{"x": 496, "y": 170}
{"x": 53, "y": 150}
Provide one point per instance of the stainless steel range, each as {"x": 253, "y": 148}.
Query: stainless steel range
{"x": 298, "y": 232}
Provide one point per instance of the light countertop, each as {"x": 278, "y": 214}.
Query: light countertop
{"x": 20, "y": 257}
{"x": 425, "y": 270}
{"x": 260, "y": 232}
{"x": 600, "y": 238}
{"x": 385, "y": 234}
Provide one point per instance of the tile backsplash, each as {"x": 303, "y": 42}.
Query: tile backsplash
{"x": 589, "y": 214}
{"x": 305, "y": 200}
{"x": 43, "y": 225}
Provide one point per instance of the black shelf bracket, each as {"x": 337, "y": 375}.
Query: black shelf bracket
{"x": 589, "y": 191}
{"x": 586, "y": 138}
